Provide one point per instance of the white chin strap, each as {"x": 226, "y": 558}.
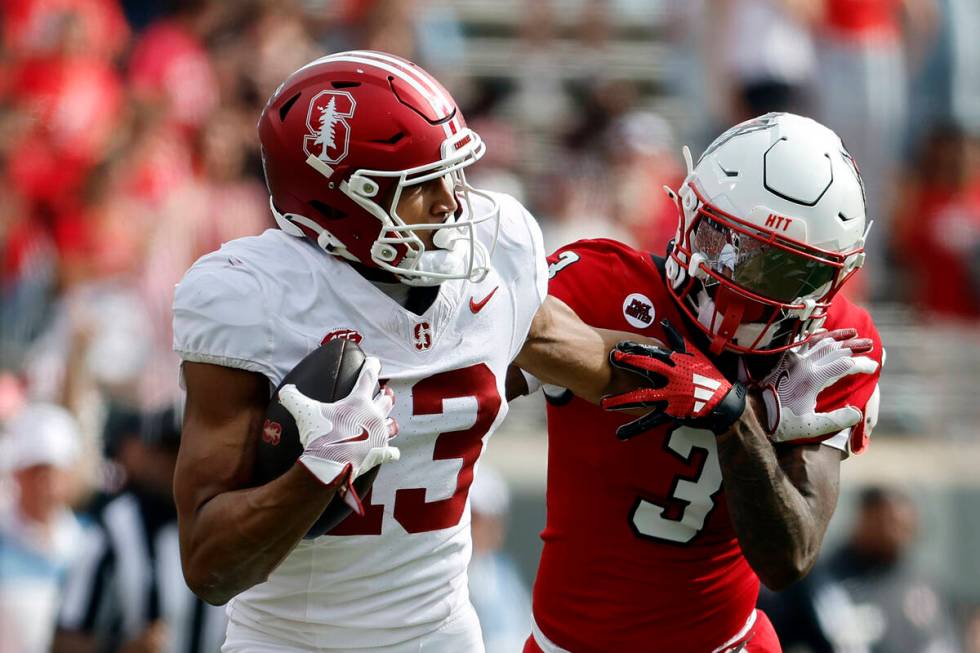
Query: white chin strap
{"x": 449, "y": 259}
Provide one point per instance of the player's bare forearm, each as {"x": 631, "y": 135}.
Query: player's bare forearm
{"x": 780, "y": 498}
{"x": 235, "y": 540}
{"x": 563, "y": 350}
{"x": 233, "y": 536}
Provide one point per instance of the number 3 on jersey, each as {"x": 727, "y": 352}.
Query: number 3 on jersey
{"x": 411, "y": 510}
{"x": 691, "y": 499}
{"x": 564, "y": 259}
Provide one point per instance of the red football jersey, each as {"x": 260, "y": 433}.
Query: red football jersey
{"x": 639, "y": 551}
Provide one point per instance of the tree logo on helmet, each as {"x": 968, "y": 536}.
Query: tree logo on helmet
{"x": 326, "y": 119}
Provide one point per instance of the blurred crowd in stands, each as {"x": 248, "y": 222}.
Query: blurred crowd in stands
{"x": 128, "y": 149}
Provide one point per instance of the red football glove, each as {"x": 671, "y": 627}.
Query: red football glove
{"x": 686, "y": 389}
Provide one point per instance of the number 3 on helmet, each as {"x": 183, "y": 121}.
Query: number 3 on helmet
{"x": 344, "y": 136}
{"x": 771, "y": 224}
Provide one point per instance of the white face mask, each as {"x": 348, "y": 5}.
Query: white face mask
{"x": 449, "y": 259}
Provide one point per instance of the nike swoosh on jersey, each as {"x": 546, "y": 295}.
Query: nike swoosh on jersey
{"x": 476, "y": 307}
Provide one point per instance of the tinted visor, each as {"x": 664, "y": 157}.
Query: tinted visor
{"x": 759, "y": 263}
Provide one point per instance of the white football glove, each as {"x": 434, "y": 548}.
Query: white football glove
{"x": 344, "y": 439}
{"x": 790, "y": 391}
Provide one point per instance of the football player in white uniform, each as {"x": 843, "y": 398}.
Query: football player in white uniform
{"x": 381, "y": 240}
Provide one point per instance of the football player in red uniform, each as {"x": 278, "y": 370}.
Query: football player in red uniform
{"x": 656, "y": 540}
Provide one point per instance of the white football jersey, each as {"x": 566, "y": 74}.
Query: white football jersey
{"x": 262, "y": 304}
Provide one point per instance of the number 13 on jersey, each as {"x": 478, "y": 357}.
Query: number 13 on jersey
{"x": 411, "y": 509}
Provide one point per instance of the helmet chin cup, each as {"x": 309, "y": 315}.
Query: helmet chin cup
{"x": 443, "y": 238}
{"x": 456, "y": 262}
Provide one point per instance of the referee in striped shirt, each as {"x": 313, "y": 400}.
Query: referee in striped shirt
{"x": 127, "y": 592}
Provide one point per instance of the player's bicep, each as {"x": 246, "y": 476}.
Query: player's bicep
{"x": 222, "y": 422}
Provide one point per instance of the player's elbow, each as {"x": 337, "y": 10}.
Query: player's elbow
{"x": 777, "y": 581}
{"x": 215, "y": 598}
{"x": 780, "y": 572}
{"x": 207, "y": 580}
{"x": 780, "y": 562}
{"x": 207, "y": 586}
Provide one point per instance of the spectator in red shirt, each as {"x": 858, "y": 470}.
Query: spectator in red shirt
{"x": 938, "y": 229}
{"x": 33, "y": 28}
{"x": 170, "y": 66}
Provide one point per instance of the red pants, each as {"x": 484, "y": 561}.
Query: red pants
{"x": 762, "y": 639}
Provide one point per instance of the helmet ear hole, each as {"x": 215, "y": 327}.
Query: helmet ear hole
{"x": 327, "y": 211}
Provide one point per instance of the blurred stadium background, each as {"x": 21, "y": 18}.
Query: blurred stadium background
{"x": 127, "y": 150}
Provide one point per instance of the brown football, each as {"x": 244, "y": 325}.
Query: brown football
{"x": 328, "y": 373}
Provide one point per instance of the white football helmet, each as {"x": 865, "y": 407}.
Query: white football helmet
{"x": 771, "y": 224}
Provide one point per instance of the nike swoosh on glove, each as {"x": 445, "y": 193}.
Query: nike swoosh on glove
{"x": 790, "y": 390}
{"x": 345, "y": 438}
{"x": 686, "y": 389}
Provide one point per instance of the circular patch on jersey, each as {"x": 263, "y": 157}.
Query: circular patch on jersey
{"x": 638, "y": 310}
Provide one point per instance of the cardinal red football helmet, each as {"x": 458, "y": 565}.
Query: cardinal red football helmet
{"x": 771, "y": 224}
{"x": 344, "y": 135}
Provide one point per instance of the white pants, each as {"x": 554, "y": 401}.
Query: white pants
{"x": 461, "y": 634}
